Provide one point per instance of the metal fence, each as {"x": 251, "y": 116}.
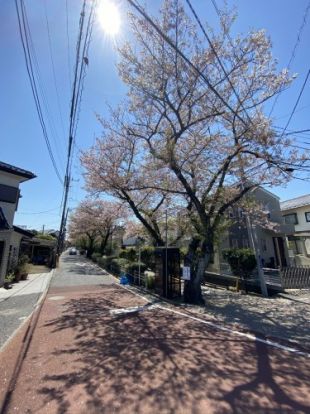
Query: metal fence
{"x": 133, "y": 278}
{"x": 297, "y": 277}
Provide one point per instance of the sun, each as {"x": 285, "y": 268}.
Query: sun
{"x": 109, "y": 17}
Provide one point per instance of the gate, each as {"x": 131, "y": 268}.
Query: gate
{"x": 167, "y": 272}
{"x": 295, "y": 277}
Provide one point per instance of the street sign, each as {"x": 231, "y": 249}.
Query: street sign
{"x": 186, "y": 273}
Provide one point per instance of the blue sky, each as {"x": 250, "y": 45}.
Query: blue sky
{"x": 22, "y": 143}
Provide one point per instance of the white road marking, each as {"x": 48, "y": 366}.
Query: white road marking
{"x": 56, "y": 298}
{"x": 132, "y": 309}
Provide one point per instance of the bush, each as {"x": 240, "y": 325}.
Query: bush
{"x": 148, "y": 256}
{"x": 183, "y": 252}
{"x": 134, "y": 267}
{"x": 119, "y": 265}
{"x": 149, "y": 280}
{"x": 20, "y": 270}
{"x": 95, "y": 257}
{"x": 129, "y": 254}
{"x": 242, "y": 261}
{"x": 106, "y": 261}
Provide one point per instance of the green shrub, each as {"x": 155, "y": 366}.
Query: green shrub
{"x": 9, "y": 278}
{"x": 101, "y": 261}
{"x": 183, "y": 252}
{"x": 134, "y": 267}
{"x": 95, "y": 257}
{"x": 148, "y": 256}
{"x": 129, "y": 254}
{"x": 118, "y": 265}
{"x": 242, "y": 261}
{"x": 150, "y": 280}
{"x": 106, "y": 261}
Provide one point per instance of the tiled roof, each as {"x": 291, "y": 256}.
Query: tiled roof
{"x": 295, "y": 202}
{"x": 16, "y": 170}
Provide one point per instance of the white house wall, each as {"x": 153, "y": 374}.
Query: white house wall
{"x": 9, "y": 208}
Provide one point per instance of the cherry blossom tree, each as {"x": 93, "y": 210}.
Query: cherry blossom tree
{"x": 193, "y": 130}
{"x": 94, "y": 221}
{"x": 117, "y": 165}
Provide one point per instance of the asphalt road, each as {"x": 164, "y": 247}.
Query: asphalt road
{"x": 76, "y": 270}
{"x": 17, "y": 304}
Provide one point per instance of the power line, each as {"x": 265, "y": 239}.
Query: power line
{"x": 38, "y": 212}
{"x": 41, "y": 88}
{"x": 53, "y": 69}
{"x": 297, "y": 102}
{"x": 217, "y": 57}
{"x": 20, "y": 10}
{"x": 301, "y": 28}
{"x": 185, "y": 58}
{"x": 68, "y": 44}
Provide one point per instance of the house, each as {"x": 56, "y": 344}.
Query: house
{"x": 296, "y": 212}
{"x": 269, "y": 234}
{"x": 41, "y": 251}
{"x": 10, "y": 236}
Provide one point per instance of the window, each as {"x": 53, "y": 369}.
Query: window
{"x": 8, "y": 194}
{"x": 307, "y": 215}
{"x": 291, "y": 218}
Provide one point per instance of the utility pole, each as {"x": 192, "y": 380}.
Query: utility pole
{"x": 74, "y": 102}
{"x": 253, "y": 239}
{"x": 255, "y": 247}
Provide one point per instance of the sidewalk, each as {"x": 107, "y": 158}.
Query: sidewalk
{"x": 35, "y": 283}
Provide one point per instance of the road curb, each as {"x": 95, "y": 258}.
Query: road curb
{"x": 25, "y": 343}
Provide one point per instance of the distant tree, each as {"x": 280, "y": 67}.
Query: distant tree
{"x": 94, "y": 222}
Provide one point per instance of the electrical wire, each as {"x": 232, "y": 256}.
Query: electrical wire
{"x": 217, "y": 57}
{"x": 185, "y": 58}
{"x": 297, "y": 102}
{"x": 293, "y": 54}
{"x": 40, "y": 84}
{"x": 68, "y": 46}
{"x": 53, "y": 69}
{"x": 29, "y": 66}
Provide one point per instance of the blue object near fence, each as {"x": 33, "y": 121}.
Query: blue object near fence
{"x": 124, "y": 280}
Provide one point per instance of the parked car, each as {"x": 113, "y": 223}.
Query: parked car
{"x": 72, "y": 251}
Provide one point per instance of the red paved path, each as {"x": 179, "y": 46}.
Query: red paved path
{"x": 82, "y": 359}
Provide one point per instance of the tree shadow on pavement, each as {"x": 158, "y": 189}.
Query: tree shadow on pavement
{"x": 273, "y": 317}
{"x": 156, "y": 361}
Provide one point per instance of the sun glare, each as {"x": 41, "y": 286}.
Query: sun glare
{"x": 109, "y": 17}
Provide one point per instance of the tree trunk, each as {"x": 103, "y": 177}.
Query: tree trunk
{"x": 104, "y": 241}
{"x": 90, "y": 249}
{"x": 198, "y": 265}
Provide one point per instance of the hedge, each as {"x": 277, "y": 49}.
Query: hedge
{"x": 134, "y": 267}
